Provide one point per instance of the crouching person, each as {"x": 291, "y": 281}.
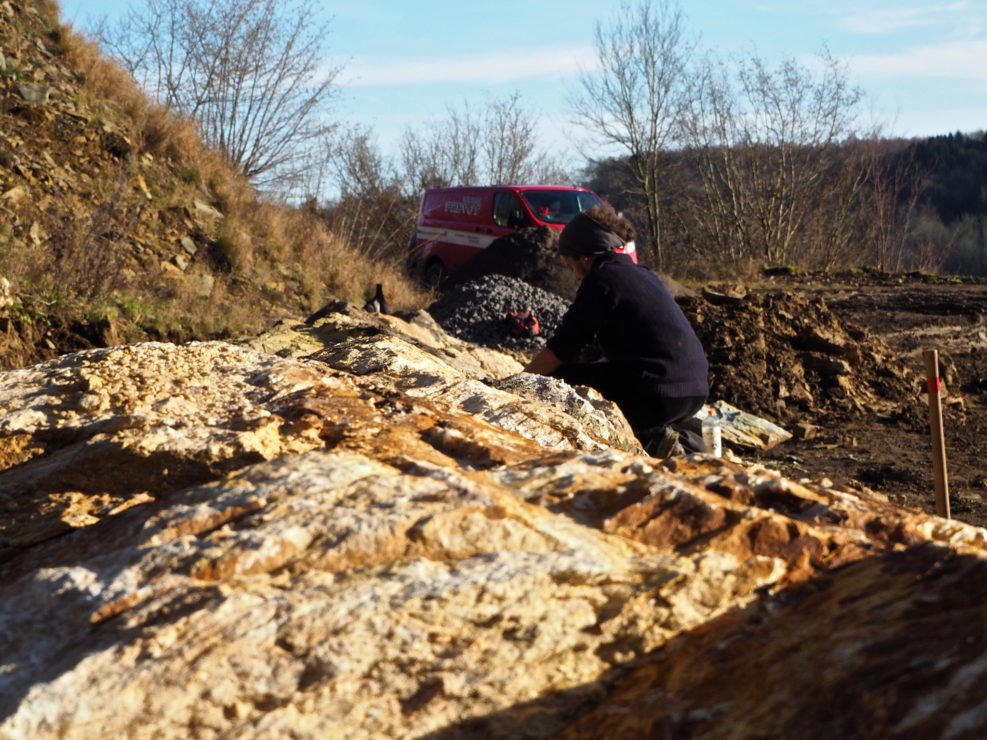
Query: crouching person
{"x": 654, "y": 368}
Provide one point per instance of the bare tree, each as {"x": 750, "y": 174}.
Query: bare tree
{"x": 251, "y": 73}
{"x": 895, "y": 179}
{"x": 777, "y": 184}
{"x": 715, "y": 197}
{"x": 497, "y": 146}
{"x": 424, "y": 160}
{"x": 372, "y": 214}
{"x": 930, "y": 242}
{"x": 448, "y": 155}
{"x": 802, "y": 117}
{"x": 837, "y": 224}
{"x": 509, "y": 145}
{"x": 636, "y": 96}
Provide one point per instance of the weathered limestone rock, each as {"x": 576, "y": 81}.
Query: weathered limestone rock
{"x": 341, "y": 321}
{"x": 37, "y": 94}
{"x": 326, "y": 594}
{"x": 387, "y": 539}
{"x": 419, "y": 358}
{"x": 744, "y": 430}
{"x": 723, "y": 294}
{"x": 864, "y": 652}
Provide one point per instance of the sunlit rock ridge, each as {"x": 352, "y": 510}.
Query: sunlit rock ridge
{"x": 360, "y": 527}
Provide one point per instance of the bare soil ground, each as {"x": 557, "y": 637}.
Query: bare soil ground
{"x": 838, "y": 361}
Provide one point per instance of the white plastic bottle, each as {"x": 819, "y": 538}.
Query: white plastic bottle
{"x": 712, "y": 434}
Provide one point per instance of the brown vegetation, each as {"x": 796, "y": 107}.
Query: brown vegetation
{"x": 116, "y": 213}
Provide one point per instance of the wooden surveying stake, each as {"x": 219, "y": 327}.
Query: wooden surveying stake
{"x": 931, "y": 357}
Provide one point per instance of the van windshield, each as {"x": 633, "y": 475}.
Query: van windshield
{"x": 558, "y": 206}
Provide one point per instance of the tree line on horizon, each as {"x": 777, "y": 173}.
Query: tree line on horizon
{"x": 893, "y": 205}
{"x": 725, "y": 164}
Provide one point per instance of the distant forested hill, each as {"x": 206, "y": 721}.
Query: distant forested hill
{"x": 891, "y": 204}
{"x": 955, "y": 193}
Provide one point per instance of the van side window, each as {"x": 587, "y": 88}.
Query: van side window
{"x": 508, "y": 211}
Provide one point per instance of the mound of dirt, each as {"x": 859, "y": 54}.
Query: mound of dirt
{"x": 785, "y": 356}
{"x": 841, "y": 368}
{"x": 530, "y": 255}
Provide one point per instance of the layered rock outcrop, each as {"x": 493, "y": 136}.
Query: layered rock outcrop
{"x": 361, "y": 527}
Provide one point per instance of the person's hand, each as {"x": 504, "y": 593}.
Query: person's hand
{"x": 544, "y": 363}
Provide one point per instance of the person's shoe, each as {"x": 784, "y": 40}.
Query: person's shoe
{"x": 691, "y": 442}
{"x": 663, "y": 443}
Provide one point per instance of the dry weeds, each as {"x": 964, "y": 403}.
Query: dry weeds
{"x": 264, "y": 259}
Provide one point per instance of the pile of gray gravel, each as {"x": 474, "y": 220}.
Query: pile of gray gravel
{"x": 476, "y": 311}
{"x": 531, "y": 255}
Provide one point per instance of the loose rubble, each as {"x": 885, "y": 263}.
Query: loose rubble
{"x": 783, "y": 355}
{"x": 476, "y": 311}
{"x": 530, "y": 255}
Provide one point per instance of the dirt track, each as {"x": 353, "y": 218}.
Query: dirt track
{"x": 877, "y": 435}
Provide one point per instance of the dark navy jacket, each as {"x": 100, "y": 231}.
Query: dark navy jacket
{"x": 640, "y": 327}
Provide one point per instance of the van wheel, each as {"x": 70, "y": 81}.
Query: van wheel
{"x": 434, "y": 274}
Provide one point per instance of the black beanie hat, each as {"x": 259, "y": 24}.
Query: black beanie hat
{"x": 585, "y": 236}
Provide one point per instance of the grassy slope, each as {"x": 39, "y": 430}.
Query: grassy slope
{"x": 116, "y": 224}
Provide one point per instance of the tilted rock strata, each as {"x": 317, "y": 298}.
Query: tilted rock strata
{"x": 326, "y": 593}
{"x": 93, "y": 432}
{"x": 209, "y": 540}
{"x": 418, "y": 357}
{"x": 892, "y": 646}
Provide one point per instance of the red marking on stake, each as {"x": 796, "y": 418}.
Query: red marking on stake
{"x": 934, "y": 385}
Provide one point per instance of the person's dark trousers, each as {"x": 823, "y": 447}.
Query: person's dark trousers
{"x": 648, "y": 413}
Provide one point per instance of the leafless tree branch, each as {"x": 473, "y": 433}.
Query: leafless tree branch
{"x": 252, "y": 73}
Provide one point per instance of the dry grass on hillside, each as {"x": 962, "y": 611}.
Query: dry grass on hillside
{"x": 264, "y": 260}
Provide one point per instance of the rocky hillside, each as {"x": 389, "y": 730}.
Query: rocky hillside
{"x": 360, "y": 526}
{"x": 90, "y": 210}
{"x": 75, "y": 176}
{"x": 117, "y": 225}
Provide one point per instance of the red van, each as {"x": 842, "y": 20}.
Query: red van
{"x": 456, "y": 223}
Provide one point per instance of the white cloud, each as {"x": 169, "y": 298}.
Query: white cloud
{"x": 962, "y": 60}
{"x": 900, "y": 18}
{"x": 491, "y": 70}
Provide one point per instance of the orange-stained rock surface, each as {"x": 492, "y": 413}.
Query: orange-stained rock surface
{"x": 359, "y": 527}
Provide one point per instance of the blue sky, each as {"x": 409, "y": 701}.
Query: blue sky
{"x": 922, "y": 65}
